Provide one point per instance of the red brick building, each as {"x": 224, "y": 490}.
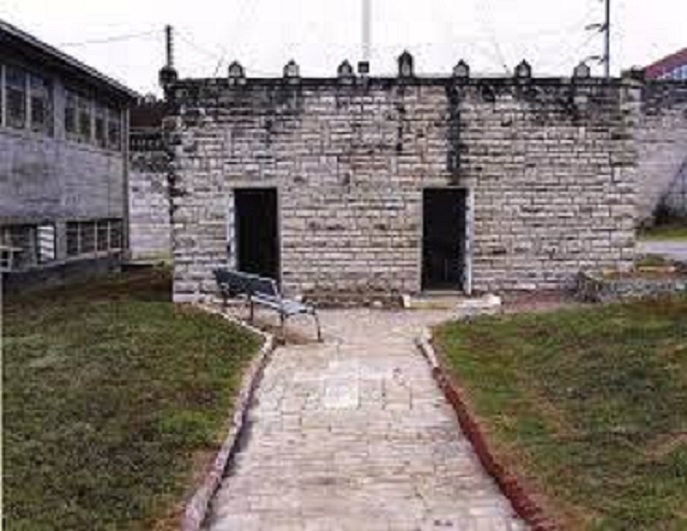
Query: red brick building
{"x": 673, "y": 66}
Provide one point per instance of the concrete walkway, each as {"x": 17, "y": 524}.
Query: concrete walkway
{"x": 670, "y": 249}
{"x": 354, "y": 434}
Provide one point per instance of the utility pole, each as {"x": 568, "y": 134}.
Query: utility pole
{"x": 367, "y": 29}
{"x": 169, "y": 40}
{"x": 604, "y": 28}
{"x": 607, "y": 41}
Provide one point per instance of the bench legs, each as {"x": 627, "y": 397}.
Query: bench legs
{"x": 317, "y": 323}
{"x": 282, "y": 320}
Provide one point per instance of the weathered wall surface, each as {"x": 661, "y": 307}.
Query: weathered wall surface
{"x": 149, "y": 216}
{"x": 52, "y": 179}
{"x": 550, "y": 164}
{"x": 662, "y": 144}
{"x": 43, "y": 178}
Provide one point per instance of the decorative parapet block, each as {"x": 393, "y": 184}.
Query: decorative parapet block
{"x": 236, "y": 74}
{"x": 523, "y": 71}
{"x": 461, "y": 72}
{"x": 345, "y": 72}
{"x": 292, "y": 71}
{"x": 582, "y": 71}
{"x": 406, "y": 65}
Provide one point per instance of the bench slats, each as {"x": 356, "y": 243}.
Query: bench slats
{"x": 263, "y": 291}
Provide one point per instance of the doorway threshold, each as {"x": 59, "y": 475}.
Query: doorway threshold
{"x": 456, "y": 300}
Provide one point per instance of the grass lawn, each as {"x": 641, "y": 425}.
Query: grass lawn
{"x": 664, "y": 232}
{"x": 112, "y": 398}
{"x": 588, "y": 406}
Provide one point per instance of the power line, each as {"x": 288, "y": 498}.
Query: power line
{"x": 231, "y": 31}
{"x": 200, "y": 49}
{"x": 576, "y": 52}
{"x": 488, "y": 27}
{"x": 110, "y": 39}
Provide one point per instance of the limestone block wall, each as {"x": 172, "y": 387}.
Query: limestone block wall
{"x": 149, "y": 214}
{"x": 549, "y": 163}
{"x": 662, "y": 143}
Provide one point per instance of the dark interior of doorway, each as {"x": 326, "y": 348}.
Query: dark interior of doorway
{"x": 443, "y": 239}
{"x": 257, "y": 231}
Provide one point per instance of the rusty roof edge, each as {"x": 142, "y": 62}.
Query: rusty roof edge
{"x": 66, "y": 59}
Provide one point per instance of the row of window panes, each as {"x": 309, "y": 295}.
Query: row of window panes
{"x": 23, "y": 246}
{"x": 27, "y": 100}
{"x": 84, "y": 237}
{"x": 29, "y": 104}
{"x": 92, "y": 122}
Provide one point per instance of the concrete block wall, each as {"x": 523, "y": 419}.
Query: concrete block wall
{"x": 550, "y": 165}
{"x": 662, "y": 143}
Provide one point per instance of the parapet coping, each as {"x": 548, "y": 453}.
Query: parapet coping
{"x": 389, "y": 81}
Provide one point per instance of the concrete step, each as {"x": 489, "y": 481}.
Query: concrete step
{"x": 464, "y": 305}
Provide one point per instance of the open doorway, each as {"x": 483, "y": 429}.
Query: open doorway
{"x": 257, "y": 233}
{"x": 444, "y": 238}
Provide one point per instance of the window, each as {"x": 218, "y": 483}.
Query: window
{"x": 116, "y": 234}
{"x": 89, "y": 237}
{"x": 114, "y": 129}
{"x": 40, "y": 105}
{"x": 87, "y": 230}
{"x": 73, "y": 243}
{"x": 85, "y": 113}
{"x": 15, "y": 97}
{"x": 70, "y": 113}
{"x": 46, "y": 243}
{"x": 102, "y": 235}
{"x": 23, "y": 246}
{"x": 100, "y": 113}
{"x": 27, "y": 100}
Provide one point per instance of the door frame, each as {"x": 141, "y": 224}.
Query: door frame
{"x": 231, "y": 225}
{"x": 468, "y": 235}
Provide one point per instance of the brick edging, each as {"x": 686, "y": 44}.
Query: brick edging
{"x": 521, "y": 500}
{"x": 197, "y": 508}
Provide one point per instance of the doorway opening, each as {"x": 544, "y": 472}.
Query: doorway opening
{"x": 257, "y": 232}
{"x": 444, "y": 215}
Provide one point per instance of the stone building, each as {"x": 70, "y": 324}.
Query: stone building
{"x": 63, "y": 162}
{"x": 355, "y": 188}
{"x": 149, "y": 217}
{"x": 662, "y": 140}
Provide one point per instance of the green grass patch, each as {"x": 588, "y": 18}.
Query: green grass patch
{"x": 110, "y": 395}
{"x": 675, "y": 231}
{"x": 590, "y": 404}
{"x": 651, "y": 260}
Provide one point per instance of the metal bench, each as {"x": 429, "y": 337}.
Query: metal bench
{"x": 263, "y": 291}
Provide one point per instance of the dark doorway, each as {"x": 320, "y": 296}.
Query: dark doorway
{"x": 443, "y": 239}
{"x": 257, "y": 232}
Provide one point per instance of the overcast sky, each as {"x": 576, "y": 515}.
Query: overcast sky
{"x": 124, "y": 38}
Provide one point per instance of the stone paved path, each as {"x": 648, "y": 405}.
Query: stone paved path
{"x": 354, "y": 434}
